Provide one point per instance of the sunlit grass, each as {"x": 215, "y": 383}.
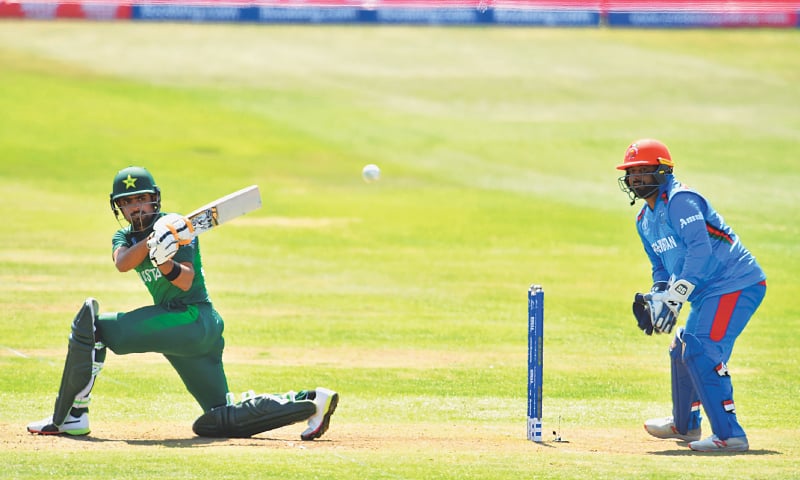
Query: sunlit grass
{"x": 497, "y": 148}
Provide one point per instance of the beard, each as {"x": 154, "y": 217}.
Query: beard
{"x": 141, "y": 221}
{"x": 645, "y": 191}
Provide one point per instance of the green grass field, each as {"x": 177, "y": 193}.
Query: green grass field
{"x": 408, "y": 296}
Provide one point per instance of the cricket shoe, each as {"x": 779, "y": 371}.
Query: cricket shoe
{"x": 326, "y": 401}
{"x": 714, "y": 444}
{"x": 665, "y": 428}
{"x": 72, "y": 426}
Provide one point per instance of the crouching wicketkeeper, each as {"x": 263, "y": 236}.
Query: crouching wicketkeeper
{"x": 695, "y": 258}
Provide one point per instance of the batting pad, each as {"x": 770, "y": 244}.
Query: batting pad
{"x": 252, "y": 416}
{"x": 685, "y": 400}
{"x": 714, "y": 386}
{"x": 77, "y": 375}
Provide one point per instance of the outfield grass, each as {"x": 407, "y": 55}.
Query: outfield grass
{"x": 408, "y": 296}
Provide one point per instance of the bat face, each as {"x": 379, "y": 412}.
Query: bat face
{"x": 205, "y": 220}
{"x": 225, "y": 209}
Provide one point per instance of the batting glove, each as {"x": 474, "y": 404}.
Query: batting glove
{"x": 161, "y": 251}
{"x": 176, "y": 225}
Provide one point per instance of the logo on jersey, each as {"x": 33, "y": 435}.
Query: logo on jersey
{"x": 688, "y": 220}
{"x": 664, "y": 244}
{"x": 150, "y": 275}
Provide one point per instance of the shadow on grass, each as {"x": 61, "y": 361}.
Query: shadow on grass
{"x": 192, "y": 442}
{"x": 688, "y": 452}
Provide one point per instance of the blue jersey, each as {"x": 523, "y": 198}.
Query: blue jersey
{"x": 684, "y": 236}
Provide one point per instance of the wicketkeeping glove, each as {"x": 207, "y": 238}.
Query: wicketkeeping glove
{"x": 641, "y": 311}
{"x": 643, "y": 307}
{"x": 666, "y": 305}
{"x": 662, "y": 317}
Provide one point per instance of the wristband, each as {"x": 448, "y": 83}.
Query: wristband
{"x": 174, "y": 273}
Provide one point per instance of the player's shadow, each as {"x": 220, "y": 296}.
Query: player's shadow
{"x": 191, "y": 442}
{"x": 683, "y": 452}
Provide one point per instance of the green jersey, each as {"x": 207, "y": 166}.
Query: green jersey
{"x": 162, "y": 290}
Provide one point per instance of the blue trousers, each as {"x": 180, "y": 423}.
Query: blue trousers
{"x": 699, "y": 369}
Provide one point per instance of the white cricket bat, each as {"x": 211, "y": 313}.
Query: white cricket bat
{"x": 225, "y": 209}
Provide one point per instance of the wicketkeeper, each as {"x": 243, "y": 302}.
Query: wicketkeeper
{"x": 182, "y": 324}
{"x": 695, "y": 258}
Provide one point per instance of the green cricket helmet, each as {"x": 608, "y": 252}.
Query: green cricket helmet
{"x": 134, "y": 181}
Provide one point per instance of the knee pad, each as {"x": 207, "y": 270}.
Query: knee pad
{"x": 77, "y": 377}
{"x": 252, "y": 416}
{"x": 713, "y": 384}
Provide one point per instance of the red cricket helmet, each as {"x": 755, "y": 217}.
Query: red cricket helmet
{"x": 641, "y": 153}
{"x": 646, "y": 151}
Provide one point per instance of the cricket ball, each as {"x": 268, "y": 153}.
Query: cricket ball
{"x": 371, "y": 173}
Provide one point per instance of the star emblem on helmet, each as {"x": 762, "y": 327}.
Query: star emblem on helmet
{"x": 633, "y": 150}
{"x": 130, "y": 182}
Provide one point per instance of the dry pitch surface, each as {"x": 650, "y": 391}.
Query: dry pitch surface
{"x": 346, "y": 438}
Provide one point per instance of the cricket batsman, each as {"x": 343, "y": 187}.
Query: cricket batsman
{"x": 182, "y": 325}
{"x": 696, "y": 258}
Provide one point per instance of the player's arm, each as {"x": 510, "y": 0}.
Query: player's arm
{"x": 644, "y": 309}
{"x": 179, "y": 274}
{"x": 686, "y": 213}
{"x": 658, "y": 271}
{"x": 127, "y": 258}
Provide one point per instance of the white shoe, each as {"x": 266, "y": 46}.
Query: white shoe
{"x": 71, "y": 426}
{"x": 326, "y": 401}
{"x": 714, "y": 444}
{"x": 665, "y": 428}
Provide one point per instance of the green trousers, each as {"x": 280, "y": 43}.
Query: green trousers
{"x": 190, "y": 337}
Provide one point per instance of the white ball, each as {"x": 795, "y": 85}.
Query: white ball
{"x": 371, "y": 173}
